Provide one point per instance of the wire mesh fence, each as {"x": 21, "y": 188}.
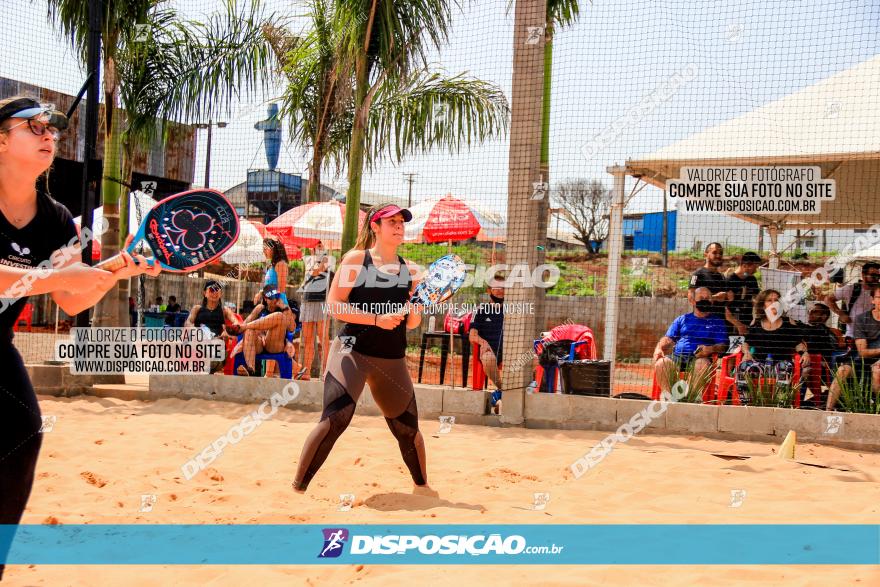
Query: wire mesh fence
{"x": 652, "y": 146}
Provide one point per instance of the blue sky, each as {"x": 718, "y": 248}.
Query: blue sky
{"x": 746, "y": 53}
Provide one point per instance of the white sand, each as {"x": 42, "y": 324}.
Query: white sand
{"x": 103, "y": 454}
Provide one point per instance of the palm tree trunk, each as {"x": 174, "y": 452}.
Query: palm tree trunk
{"x": 356, "y": 154}
{"x": 125, "y": 175}
{"x": 314, "y": 193}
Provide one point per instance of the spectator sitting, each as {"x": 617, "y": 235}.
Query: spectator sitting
{"x": 211, "y": 314}
{"x": 172, "y": 309}
{"x": 265, "y": 330}
{"x": 773, "y": 339}
{"x": 696, "y": 336}
{"x": 820, "y": 338}
{"x": 857, "y": 297}
{"x": 743, "y": 287}
{"x": 866, "y": 330}
{"x": 160, "y": 304}
{"x": 487, "y": 327}
{"x": 771, "y": 334}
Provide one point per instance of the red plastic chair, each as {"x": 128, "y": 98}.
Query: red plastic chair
{"x": 724, "y": 382}
{"x": 479, "y": 379}
{"x": 229, "y": 364}
{"x": 709, "y": 394}
{"x": 817, "y": 368}
{"x": 26, "y": 316}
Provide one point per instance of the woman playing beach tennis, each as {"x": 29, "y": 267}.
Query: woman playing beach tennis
{"x": 34, "y": 228}
{"x": 369, "y": 293}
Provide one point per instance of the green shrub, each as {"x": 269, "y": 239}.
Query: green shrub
{"x": 641, "y": 288}
{"x": 856, "y": 395}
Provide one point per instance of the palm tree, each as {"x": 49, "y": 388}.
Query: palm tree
{"x": 189, "y": 71}
{"x": 408, "y": 115}
{"x": 182, "y": 70}
{"x": 382, "y": 42}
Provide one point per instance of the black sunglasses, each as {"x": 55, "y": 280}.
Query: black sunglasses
{"x": 39, "y": 128}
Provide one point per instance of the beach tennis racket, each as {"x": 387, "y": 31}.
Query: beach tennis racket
{"x": 442, "y": 279}
{"x": 185, "y": 231}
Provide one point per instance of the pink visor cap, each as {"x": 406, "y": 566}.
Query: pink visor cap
{"x": 389, "y": 211}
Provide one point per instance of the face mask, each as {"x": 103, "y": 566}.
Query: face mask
{"x": 703, "y": 305}
{"x": 495, "y": 300}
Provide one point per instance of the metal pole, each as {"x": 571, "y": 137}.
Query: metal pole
{"x": 615, "y": 246}
{"x": 664, "y": 239}
{"x": 410, "y": 178}
{"x": 774, "y": 249}
{"x": 89, "y": 175}
{"x": 208, "y": 157}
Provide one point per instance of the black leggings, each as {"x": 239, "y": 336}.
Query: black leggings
{"x": 20, "y": 438}
{"x": 392, "y": 390}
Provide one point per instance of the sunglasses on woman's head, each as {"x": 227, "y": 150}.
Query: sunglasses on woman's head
{"x": 214, "y": 289}
{"x": 39, "y": 128}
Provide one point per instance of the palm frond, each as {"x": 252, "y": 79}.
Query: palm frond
{"x": 434, "y": 111}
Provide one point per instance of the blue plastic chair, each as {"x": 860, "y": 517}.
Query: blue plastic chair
{"x": 285, "y": 363}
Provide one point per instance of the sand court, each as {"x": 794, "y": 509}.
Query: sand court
{"x": 104, "y": 454}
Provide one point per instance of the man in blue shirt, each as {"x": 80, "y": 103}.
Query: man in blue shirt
{"x": 487, "y": 329}
{"x": 696, "y": 336}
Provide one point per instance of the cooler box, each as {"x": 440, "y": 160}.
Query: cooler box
{"x": 586, "y": 377}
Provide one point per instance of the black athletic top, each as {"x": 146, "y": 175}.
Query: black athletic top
{"x": 51, "y": 229}
{"x": 213, "y": 319}
{"x": 379, "y": 293}
{"x": 780, "y": 342}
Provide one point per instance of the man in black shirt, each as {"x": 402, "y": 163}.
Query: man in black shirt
{"x": 743, "y": 287}
{"x": 709, "y": 276}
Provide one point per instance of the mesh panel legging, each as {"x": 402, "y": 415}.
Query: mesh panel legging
{"x": 20, "y": 438}
{"x": 392, "y": 390}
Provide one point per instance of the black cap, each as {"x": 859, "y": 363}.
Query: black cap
{"x": 213, "y": 283}
{"x": 750, "y": 257}
{"x": 30, "y": 108}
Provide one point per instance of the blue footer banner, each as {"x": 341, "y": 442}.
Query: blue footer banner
{"x": 643, "y": 544}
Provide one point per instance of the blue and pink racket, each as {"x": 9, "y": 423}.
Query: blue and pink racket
{"x": 185, "y": 231}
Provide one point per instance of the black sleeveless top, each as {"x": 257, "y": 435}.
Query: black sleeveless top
{"x": 376, "y": 292}
{"x": 213, "y": 319}
{"x": 51, "y": 229}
